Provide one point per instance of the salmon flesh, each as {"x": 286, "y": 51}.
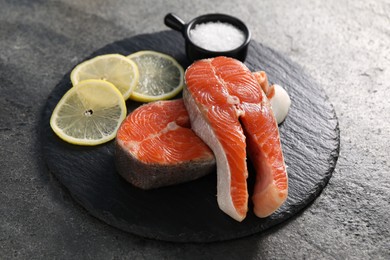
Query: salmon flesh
{"x": 156, "y": 147}
{"x": 231, "y": 114}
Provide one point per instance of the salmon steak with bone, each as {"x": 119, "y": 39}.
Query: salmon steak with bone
{"x": 230, "y": 112}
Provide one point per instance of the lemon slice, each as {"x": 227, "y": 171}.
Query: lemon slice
{"x": 160, "y": 76}
{"x": 114, "y": 68}
{"x": 90, "y": 113}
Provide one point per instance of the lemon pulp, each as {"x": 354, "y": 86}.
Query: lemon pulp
{"x": 90, "y": 113}
{"x": 160, "y": 76}
{"x": 114, "y": 68}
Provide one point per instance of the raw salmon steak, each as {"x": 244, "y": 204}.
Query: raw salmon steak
{"x": 231, "y": 114}
{"x": 155, "y": 147}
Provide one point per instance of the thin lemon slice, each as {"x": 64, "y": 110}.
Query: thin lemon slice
{"x": 160, "y": 76}
{"x": 114, "y": 68}
{"x": 90, "y": 113}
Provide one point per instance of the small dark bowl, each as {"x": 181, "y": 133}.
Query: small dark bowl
{"x": 195, "y": 52}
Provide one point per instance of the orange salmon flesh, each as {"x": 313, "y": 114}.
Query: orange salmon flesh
{"x": 230, "y": 112}
{"x": 160, "y": 132}
{"x": 155, "y": 147}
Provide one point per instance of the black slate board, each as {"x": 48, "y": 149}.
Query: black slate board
{"x": 189, "y": 212}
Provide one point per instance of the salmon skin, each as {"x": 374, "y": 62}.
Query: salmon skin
{"x": 155, "y": 147}
{"x": 231, "y": 114}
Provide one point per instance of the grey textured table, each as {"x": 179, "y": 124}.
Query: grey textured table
{"x": 343, "y": 45}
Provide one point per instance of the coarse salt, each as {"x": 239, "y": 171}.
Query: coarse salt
{"x": 217, "y": 36}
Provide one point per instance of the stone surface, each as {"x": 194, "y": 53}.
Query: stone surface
{"x": 343, "y": 45}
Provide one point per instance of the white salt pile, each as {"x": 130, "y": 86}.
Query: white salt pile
{"x": 217, "y": 36}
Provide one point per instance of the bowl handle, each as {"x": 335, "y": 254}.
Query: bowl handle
{"x": 174, "y": 22}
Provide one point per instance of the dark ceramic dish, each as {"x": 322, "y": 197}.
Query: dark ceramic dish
{"x": 195, "y": 52}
